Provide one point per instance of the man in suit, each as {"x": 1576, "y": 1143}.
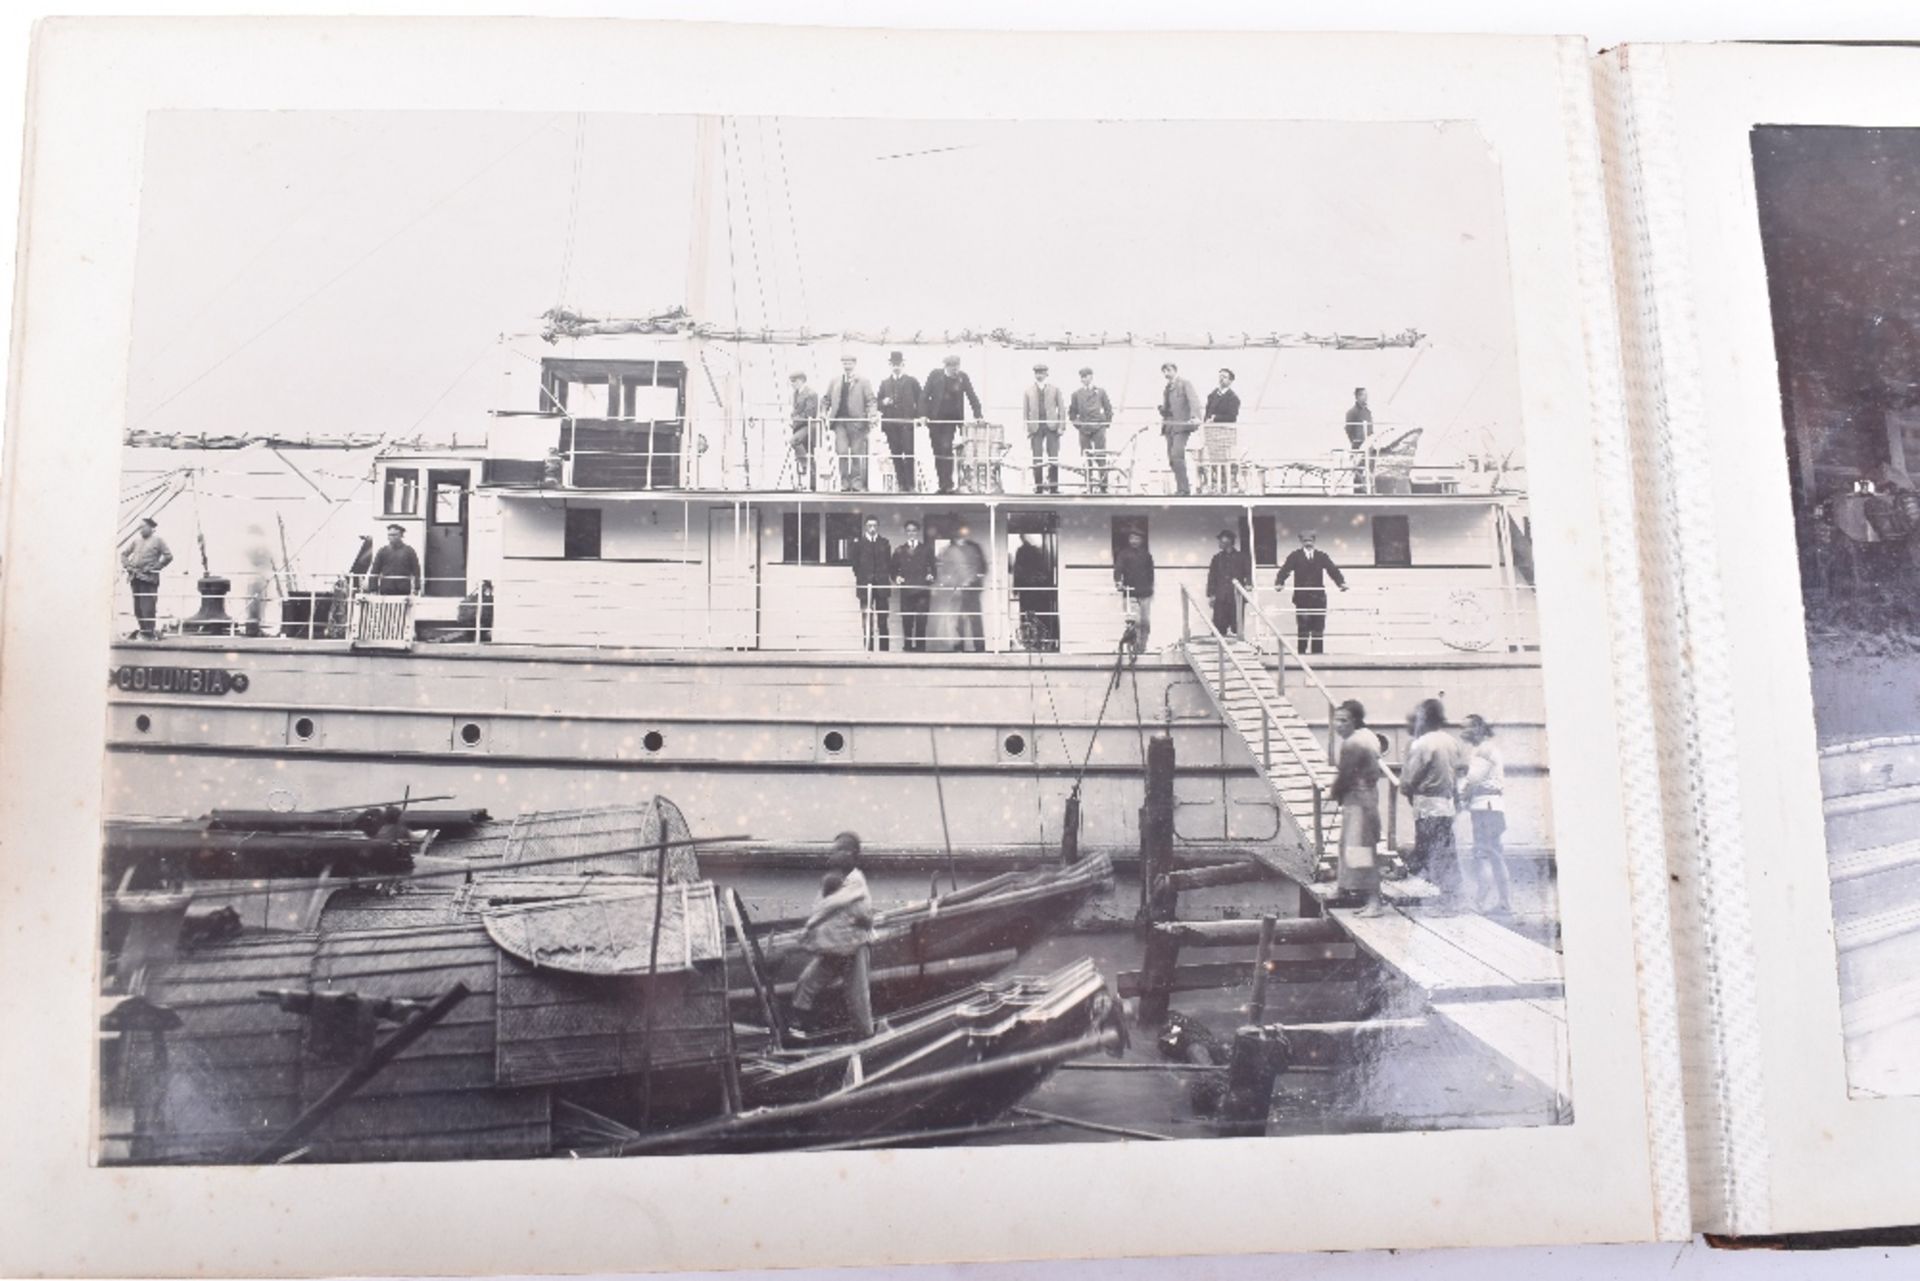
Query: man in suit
{"x": 872, "y": 574}
{"x": 1229, "y": 566}
{"x": 1091, "y": 412}
{"x": 806, "y": 410}
{"x": 948, "y": 389}
{"x": 851, "y": 404}
{"x": 1045, "y": 411}
{"x": 1223, "y": 402}
{"x": 1179, "y": 415}
{"x": 913, "y": 575}
{"x": 1310, "y": 568}
{"x": 899, "y": 407}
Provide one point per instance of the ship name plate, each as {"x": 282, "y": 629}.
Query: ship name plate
{"x": 140, "y": 678}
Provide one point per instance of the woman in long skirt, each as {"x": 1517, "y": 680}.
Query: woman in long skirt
{"x": 1356, "y": 790}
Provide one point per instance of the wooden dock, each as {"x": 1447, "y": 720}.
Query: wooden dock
{"x": 1498, "y": 987}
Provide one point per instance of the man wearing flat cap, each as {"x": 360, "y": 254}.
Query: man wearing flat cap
{"x": 1046, "y": 415}
{"x": 899, "y": 407}
{"x": 948, "y": 391}
{"x": 850, "y": 403}
{"x": 1091, "y": 413}
{"x": 804, "y": 426}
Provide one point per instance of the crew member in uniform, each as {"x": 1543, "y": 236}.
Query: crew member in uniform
{"x": 1309, "y": 568}
{"x": 1223, "y": 402}
{"x": 396, "y": 567}
{"x": 806, "y": 410}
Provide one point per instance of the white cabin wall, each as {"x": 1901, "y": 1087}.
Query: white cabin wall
{"x": 647, "y": 588}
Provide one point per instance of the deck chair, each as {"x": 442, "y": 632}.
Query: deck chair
{"x": 982, "y": 451}
{"x": 1223, "y": 466}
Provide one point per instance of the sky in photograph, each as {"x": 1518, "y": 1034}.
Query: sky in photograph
{"x": 332, "y": 273}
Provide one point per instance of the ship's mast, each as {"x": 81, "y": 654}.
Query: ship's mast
{"x": 706, "y": 162}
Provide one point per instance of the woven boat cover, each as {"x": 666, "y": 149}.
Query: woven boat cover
{"x": 612, "y": 934}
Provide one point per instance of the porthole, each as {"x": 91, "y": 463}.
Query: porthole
{"x": 303, "y": 728}
{"x": 470, "y": 734}
{"x": 143, "y": 722}
{"x": 1015, "y": 744}
{"x": 834, "y": 741}
{"x": 654, "y": 740}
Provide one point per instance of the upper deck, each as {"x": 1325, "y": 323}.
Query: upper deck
{"x": 650, "y": 412}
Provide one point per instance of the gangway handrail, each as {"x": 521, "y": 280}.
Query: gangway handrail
{"x": 1269, "y": 715}
{"x": 1252, "y": 607}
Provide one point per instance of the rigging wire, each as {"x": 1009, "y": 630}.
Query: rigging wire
{"x": 343, "y": 273}
{"x": 573, "y": 207}
{"x": 793, "y": 230}
{"x": 753, "y": 236}
{"x": 766, "y": 183}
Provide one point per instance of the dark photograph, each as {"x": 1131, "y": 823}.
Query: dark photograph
{"x": 665, "y": 634}
{"x": 1840, "y": 225}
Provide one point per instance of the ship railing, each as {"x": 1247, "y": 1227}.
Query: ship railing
{"x": 815, "y": 607}
{"x": 1404, "y": 620}
{"x": 993, "y": 456}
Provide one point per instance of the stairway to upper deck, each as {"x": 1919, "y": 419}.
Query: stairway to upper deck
{"x": 1283, "y": 747}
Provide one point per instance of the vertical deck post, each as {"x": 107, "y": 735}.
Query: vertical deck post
{"x": 1262, "y": 961}
{"x": 1319, "y": 827}
{"x": 1159, "y": 899}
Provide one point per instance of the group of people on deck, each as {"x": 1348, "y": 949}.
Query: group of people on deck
{"x": 1444, "y": 776}
{"x": 939, "y": 594}
{"x": 850, "y": 405}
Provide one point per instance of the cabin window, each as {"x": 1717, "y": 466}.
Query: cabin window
{"x": 403, "y": 492}
{"x": 817, "y": 538}
{"x": 583, "y": 533}
{"x": 447, "y": 502}
{"x": 1392, "y": 542}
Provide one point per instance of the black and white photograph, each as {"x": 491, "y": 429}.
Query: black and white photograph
{"x": 1840, "y": 226}
{"x": 707, "y": 634}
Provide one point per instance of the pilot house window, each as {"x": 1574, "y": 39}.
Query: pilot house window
{"x": 403, "y": 492}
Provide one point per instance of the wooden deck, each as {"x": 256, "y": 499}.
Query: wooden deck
{"x": 1498, "y": 987}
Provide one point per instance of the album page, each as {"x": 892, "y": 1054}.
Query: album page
{"x": 1767, "y": 206}
{"x": 636, "y": 647}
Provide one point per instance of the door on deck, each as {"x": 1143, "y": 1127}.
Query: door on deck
{"x": 446, "y": 563}
{"x": 733, "y": 578}
{"x": 1033, "y": 576}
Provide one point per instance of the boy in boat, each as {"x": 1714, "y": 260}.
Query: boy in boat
{"x": 837, "y": 936}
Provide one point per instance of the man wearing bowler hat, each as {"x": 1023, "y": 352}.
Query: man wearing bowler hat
{"x": 899, "y": 407}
